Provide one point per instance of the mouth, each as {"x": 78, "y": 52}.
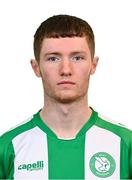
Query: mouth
{"x": 66, "y": 82}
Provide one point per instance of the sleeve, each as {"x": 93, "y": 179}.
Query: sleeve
{"x": 130, "y": 167}
{"x": 2, "y": 171}
{"x": 6, "y": 159}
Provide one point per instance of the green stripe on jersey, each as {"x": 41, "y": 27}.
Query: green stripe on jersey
{"x": 66, "y": 158}
{"x": 101, "y": 149}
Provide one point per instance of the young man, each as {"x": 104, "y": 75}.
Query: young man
{"x": 66, "y": 139}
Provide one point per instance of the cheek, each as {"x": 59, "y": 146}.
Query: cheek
{"x": 48, "y": 77}
{"x": 84, "y": 73}
{"x": 45, "y": 73}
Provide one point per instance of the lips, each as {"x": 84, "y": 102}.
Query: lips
{"x": 65, "y": 82}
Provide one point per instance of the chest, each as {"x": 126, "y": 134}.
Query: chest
{"x": 91, "y": 156}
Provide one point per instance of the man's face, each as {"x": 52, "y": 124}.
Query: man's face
{"x": 65, "y": 67}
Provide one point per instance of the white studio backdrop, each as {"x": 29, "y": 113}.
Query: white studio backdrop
{"x": 110, "y": 92}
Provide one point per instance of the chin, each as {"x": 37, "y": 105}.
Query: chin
{"x": 67, "y": 99}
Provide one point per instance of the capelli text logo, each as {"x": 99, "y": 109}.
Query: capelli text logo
{"x": 39, "y": 165}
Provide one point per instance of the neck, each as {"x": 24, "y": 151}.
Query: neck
{"x": 65, "y": 120}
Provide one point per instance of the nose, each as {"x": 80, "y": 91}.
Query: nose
{"x": 65, "y": 68}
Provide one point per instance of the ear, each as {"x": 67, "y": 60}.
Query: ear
{"x": 35, "y": 67}
{"x": 94, "y": 64}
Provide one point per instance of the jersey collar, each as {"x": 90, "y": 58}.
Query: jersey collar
{"x": 41, "y": 124}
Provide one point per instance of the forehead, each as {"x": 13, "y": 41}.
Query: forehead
{"x": 67, "y": 44}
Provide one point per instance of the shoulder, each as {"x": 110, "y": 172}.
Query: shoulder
{"x": 114, "y": 127}
{"x": 8, "y": 136}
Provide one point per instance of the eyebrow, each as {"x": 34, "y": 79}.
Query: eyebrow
{"x": 52, "y": 53}
{"x": 78, "y": 52}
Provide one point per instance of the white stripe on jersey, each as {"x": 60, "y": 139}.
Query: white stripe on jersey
{"x": 31, "y": 155}
{"x": 101, "y": 140}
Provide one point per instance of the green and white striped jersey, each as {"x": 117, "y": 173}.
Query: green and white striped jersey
{"x": 101, "y": 150}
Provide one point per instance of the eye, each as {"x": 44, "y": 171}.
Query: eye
{"x": 78, "y": 58}
{"x": 53, "y": 59}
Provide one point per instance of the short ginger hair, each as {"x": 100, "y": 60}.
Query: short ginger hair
{"x": 63, "y": 26}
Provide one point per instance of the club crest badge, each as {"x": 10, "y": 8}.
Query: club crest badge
{"x": 102, "y": 164}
